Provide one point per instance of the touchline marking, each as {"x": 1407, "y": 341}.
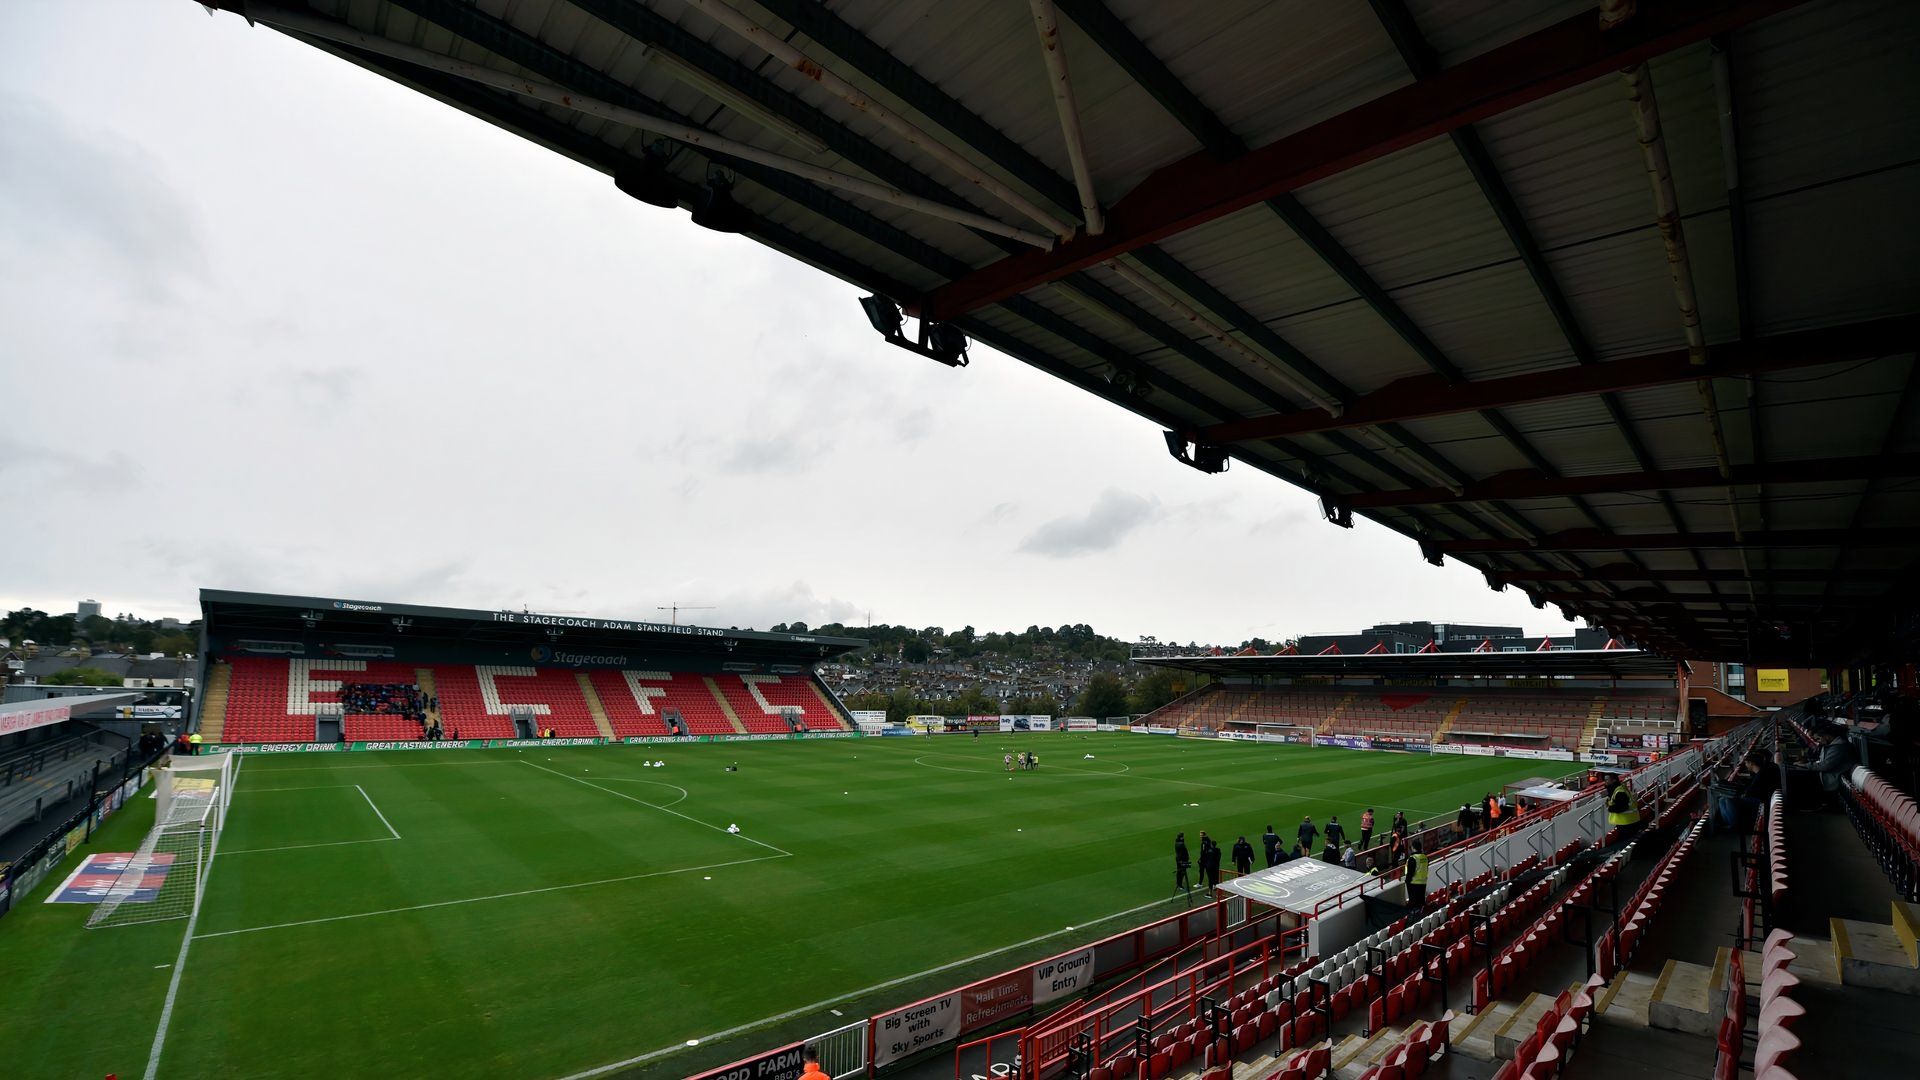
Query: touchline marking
{"x": 495, "y": 896}
{"x": 186, "y": 942}
{"x": 301, "y": 847}
{"x": 376, "y": 811}
{"x": 662, "y": 809}
{"x": 852, "y": 994}
{"x": 1162, "y": 780}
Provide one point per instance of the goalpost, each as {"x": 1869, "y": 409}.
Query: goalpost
{"x": 166, "y": 877}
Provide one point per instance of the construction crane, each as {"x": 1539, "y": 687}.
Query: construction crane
{"x": 673, "y": 611}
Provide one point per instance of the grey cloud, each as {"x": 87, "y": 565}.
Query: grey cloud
{"x": 115, "y": 472}
{"x": 771, "y": 452}
{"x": 1113, "y": 515}
{"x": 78, "y": 194}
{"x": 336, "y": 384}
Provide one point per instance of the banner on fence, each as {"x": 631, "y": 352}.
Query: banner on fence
{"x": 990, "y": 1001}
{"x": 1062, "y": 976}
{"x": 786, "y": 1063}
{"x": 908, "y": 1031}
{"x": 1348, "y": 742}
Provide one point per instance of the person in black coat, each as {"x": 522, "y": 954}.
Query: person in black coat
{"x": 1209, "y": 861}
{"x": 1336, "y": 832}
{"x": 1181, "y": 862}
{"x": 1307, "y": 833}
{"x": 1271, "y": 841}
{"x": 1242, "y": 857}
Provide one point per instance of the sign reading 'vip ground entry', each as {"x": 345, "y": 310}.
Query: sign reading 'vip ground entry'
{"x": 1294, "y": 886}
{"x": 1062, "y": 976}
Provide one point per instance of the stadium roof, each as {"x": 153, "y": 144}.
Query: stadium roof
{"x": 235, "y": 615}
{"x": 1641, "y": 345}
{"x": 1577, "y": 663}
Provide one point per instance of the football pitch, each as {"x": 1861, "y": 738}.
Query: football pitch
{"x": 546, "y": 912}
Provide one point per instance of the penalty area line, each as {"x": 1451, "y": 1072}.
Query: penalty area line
{"x": 480, "y": 899}
{"x": 376, "y": 811}
{"x": 851, "y": 995}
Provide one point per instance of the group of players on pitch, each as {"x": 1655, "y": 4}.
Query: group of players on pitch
{"x": 1336, "y": 850}
{"x": 1026, "y": 760}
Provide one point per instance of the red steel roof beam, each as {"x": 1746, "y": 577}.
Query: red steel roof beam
{"x": 1202, "y": 188}
{"x": 1429, "y": 395}
{"x": 1526, "y": 484}
{"x": 1596, "y": 540}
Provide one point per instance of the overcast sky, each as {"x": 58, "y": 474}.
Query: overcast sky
{"x": 271, "y": 322}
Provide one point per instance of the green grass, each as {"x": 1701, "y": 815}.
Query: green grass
{"x": 635, "y": 929}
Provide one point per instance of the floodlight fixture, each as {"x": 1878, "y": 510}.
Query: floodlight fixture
{"x": 1206, "y": 457}
{"x": 1336, "y": 512}
{"x": 648, "y": 180}
{"x": 883, "y": 314}
{"x": 938, "y": 341}
{"x": 717, "y": 209}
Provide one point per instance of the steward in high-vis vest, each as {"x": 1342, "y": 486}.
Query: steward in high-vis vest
{"x": 1417, "y": 865}
{"x": 1622, "y": 811}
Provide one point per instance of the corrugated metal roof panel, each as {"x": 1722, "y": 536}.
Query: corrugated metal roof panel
{"x": 1335, "y": 56}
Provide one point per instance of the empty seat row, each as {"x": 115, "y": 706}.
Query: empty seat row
{"x": 1888, "y": 820}
{"x": 279, "y": 700}
{"x": 1779, "y": 1013}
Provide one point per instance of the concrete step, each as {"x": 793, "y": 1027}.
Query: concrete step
{"x": 1626, "y": 998}
{"x": 1506, "y": 1041}
{"x": 1813, "y": 962}
{"x": 1690, "y": 997}
{"x": 1368, "y": 1054}
{"x": 1872, "y": 955}
{"x": 1474, "y": 1039}
{"x": 1906, "y": 927}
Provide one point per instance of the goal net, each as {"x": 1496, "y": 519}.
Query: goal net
{"x": 164, "y": 879}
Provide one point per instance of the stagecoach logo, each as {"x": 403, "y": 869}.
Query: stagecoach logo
{"x": 544, "y": 654}
{"x": 348, "y": 605}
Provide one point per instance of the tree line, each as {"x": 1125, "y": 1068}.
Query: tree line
{"x": 1106, "y": 694}
{"x": 1073, "y": 641}
{"x": 102, "y": 634}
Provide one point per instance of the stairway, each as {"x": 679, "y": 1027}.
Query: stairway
{"x": 1355, "y": 1054}
{"x": 423, "y": 679}
{"x": 726, "y": 707}
{"x": 213, "y": 707}
{"x": 1334, "y": 716}
{"x": 1689, "y": 997}
{"x": 594, "y": 706}
{"x": 839, "y": 722}
{"x": 1883, "y": 956}
{"x": 1591, "y": 732}
{"x": 1507, "y": 1040}
{"x": 1459, "y": 706}
{"x": 1475, "y": 1039}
